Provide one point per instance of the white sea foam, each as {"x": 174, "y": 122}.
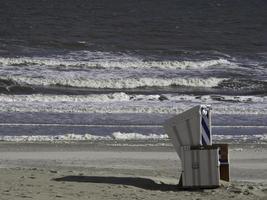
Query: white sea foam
{"x": 121, "y": 96}
{"x": 137, "y": 136}
{"x": 218, "y": 98}
{"x": 124, "y": 103}
{"x": 123, "y": 136}
{"x": 47, "y": 138}
{"x": 241, "y": 138}
{"x": 118, "y": 83}
{"x": 85, "y": 137}
{"x": 114, "y": 61}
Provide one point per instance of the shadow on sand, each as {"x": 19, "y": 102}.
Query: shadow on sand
{"x": 143, "y": 183}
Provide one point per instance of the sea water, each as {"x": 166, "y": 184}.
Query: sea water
{"x": 110, "y": 70}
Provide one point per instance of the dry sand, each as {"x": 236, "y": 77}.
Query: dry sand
{"x": 84, "y": 170}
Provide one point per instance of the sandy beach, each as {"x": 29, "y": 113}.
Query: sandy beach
{"x": 116, "y": 170}
{"x": 90, "y": 93}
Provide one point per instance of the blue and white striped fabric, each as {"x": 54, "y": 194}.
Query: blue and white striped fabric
{"x": 206, "y": 132}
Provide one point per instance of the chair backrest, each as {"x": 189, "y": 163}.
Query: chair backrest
{"x": 190, "y": 128}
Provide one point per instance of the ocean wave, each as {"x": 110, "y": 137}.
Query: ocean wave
{"x": 85, "y": 137}
{"x": 124, "y": 97}
{"x": 124, "y": 137}
{"x": 118, "y": 83}
{"x": 238, "y": 84}
{"x": 137, "y": 136}
{"x": 113, "y": 62}
{"x": 241, "y": 138}
{"x": 84, "y": 86}
{"x": 75, "y": 98}
{"x": 126, "y": 103}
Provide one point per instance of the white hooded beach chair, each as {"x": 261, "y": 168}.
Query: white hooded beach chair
{"x": 191, "y": 136}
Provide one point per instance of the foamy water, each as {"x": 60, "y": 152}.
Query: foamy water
{"x": 125, "y": 103}
{"x": 147, "y": 61}
{"x": 107, "y": 60}
{"x": 122, "y": 96}
{"x": 125, "y": 137}
{"x": 80, "y": 80}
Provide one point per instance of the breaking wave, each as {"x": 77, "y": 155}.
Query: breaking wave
{"x": 113, "y": 62}
{"x": 114, "y": 83}
{"x": 124, "y": 97}
{"x": 127, "y": 103}
{"x": 85, "y": 137}
{"x": 124, "y": 137}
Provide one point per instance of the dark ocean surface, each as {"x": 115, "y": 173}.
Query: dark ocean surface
{"x": 132, "y": 60}
{"x": 147, "y": 27}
